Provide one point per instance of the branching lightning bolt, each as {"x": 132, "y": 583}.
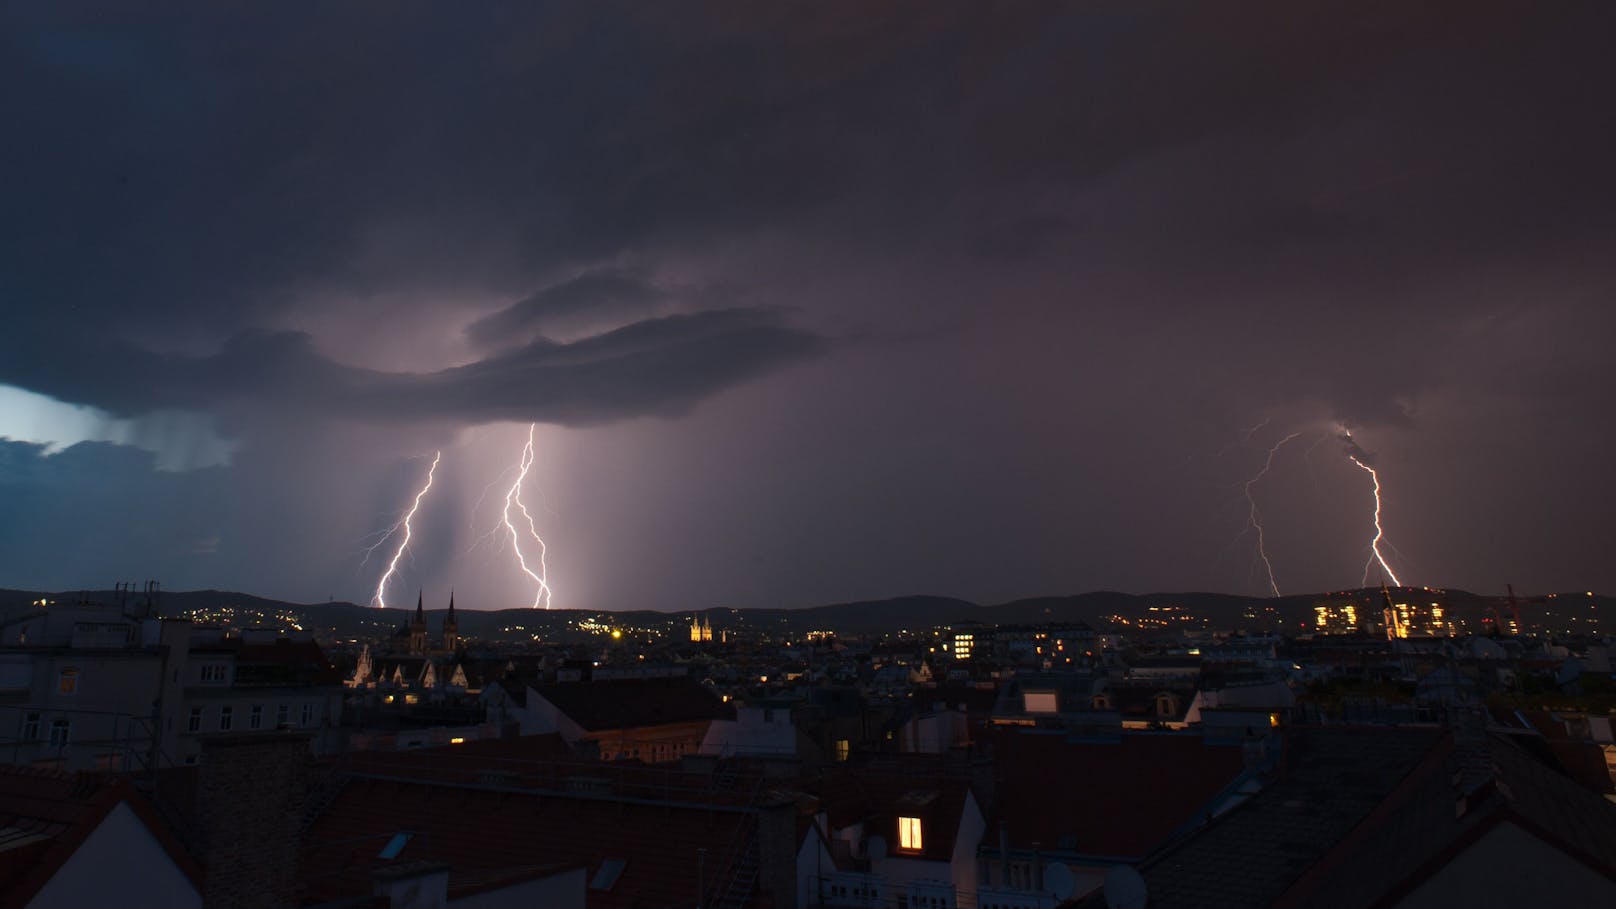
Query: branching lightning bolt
{"x": 1361, "y": 458}
{"x": 404, "y": 524}
{"x": 513, "y": 497}
{"x": 1254, "y": 515}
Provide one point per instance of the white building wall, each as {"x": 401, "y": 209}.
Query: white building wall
{"x": 566, "y": 890}
{"x": 120, "y": 864}
{"x": 966, "y": 844}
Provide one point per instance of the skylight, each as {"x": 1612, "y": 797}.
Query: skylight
{"x": 394, "y": 846}
{"x": 607, "y": 874}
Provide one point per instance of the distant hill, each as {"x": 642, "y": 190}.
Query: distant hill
{"x": 342, "y": 620}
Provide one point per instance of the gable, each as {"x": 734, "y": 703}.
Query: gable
{"x": 119, "y": 858}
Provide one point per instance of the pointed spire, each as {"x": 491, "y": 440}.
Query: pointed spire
{"x": 420, "y": 613}
{"x": 451, "y": 604}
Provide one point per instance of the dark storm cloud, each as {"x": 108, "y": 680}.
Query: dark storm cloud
{"x": 1164, "y": 219}
{"x": 655, "y": 366}
{"x": 588, "y": 301}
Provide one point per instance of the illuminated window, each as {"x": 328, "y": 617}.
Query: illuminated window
{"x": 1040, "y": 702}
{"x": 67, "y": 682}
{"x": 842, "y": 748}
{"x": 909, "y": 834}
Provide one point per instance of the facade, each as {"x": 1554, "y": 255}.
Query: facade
{"x": 114, "y": 687}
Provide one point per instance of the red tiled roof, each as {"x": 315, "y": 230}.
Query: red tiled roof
{"x": 634, "y": 703}
{"x": 48, "y": 814}
{"x": 483, "y": 834}
{"x": 283, "y": 650}
{"x": 530, "y": 763}
{"x": 1120, "y": 798}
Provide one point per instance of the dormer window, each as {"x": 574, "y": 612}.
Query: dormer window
{"x": 909, "y": 834}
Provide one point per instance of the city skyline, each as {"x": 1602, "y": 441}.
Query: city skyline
{"x": 808, "y": 304}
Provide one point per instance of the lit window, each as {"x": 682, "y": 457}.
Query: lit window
{"x": 195, "y": 724}
{"x": 1041, "y": 702}
{"x": 67, "y": 682}
{"x": 909, "y": 834}
{"x": 842, "y": 748}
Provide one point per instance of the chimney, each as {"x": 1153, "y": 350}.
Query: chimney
{"x": 250, "y": 805}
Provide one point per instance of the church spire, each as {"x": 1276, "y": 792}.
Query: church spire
{"x": 451, "y": 628}
{"x": 418, "y": 626}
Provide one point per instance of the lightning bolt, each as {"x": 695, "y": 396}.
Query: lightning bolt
{"x": 1254, "y": 514}
{"x": 1353, "y": 455}
{"x": 513, "y": 497}
{"x": 404, "y": 524}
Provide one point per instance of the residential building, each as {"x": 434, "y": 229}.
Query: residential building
{"x": 69, "y": 840}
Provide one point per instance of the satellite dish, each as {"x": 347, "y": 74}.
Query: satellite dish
{"x": 1125, "y": 889}
{"x": 876, "y": 847}
{"x": 1058, "y": 880}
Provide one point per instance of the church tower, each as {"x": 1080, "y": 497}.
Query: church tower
{"x": 418, "y": 628}
{"x": 451, "y": 628}
{"x": 701, "y": 631}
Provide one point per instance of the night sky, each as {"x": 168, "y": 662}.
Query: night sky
{"x": 810, "y": 301}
